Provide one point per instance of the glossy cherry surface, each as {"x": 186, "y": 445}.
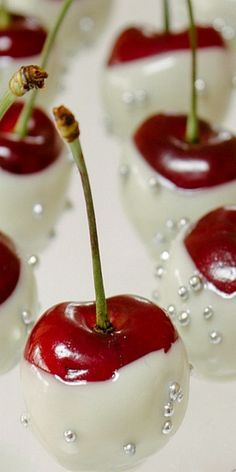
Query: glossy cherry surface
{"x": 64, "y": 342}
{"x": 9, "y": 268}
{"x": 36, "y": 151}
{"x": 210, "y": 162}
{"x": 136, "y": 43}
{"x": 23, "y": 37}
{"x": 212, "y": 246}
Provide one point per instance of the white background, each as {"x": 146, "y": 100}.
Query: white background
{"x": 206, "y": 440}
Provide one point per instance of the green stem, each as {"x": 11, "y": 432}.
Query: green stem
{"x": 5, "y": 16}
{"x": 166, "y": 16}
{"x": 21, "y": 127}
{"x": 192, "y": 130}
{"x": 102, "y": 320}
{"x": 6, "y": 102}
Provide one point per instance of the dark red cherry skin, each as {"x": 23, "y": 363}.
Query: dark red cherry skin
{"x": 211, "y": 243}
{"x": 24, "y": 37}
{"x": 40, "y": 148}
{"x": 212, "y": 161}
{"x": 9, "y": 268}
{"x": 64, "y": 343}
{"x": 137, "y": 43}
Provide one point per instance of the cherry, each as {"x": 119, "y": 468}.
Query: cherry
{"x": 211, "y": 243}
{"x": 212, "y": 161}
{"x": 40, "y": 148}
{"x": 136, "y": 43}
{"x": 64, "y": 342}
{"x": 9, "y": 268}
{"x": 85, "y": 358}
{"x": 23, "y": 37}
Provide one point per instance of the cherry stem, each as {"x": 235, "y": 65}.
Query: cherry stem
{"x": 5, "y": 16}
{"x": 192, "y": 130}
{"x": 68, "y": 128}
{"x": 166, "y": 16}
{"x": 21, "y": 128}
{"x": 25, "y": 79}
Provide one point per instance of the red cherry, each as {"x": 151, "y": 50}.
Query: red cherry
{"x": 64, "y": 343}
{"x": 40, "y": 148}
{"x": 212, "y": 161}
{"x": 212, "y": 246}
{"x": 136, "y": 43}
{"x": 9, "y": 268}
{"x": 23, "y": 37}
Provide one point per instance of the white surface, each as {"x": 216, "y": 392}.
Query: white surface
{"x": 206, "y": 440}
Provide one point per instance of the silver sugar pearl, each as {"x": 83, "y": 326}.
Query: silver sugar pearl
{"x": 167, "y": 427}
{"x": 184, "y": 318}
{"x": 70, "y": 436}
{"x": 155, "y": 295}
{"x": 218, "y": 24}
{"x": 200, "y": 86}
{"x": 215, "y": 337}
{"x": 169, "y": 409}
{"x": 38, "y": 210}
{"x": 86, "y": 24}
{"x": 159, "y": 238}
{"x": 124, "y": 171}
{"x": 171, "y": 311}
{"x": 33, "y": 260}
{"x": 170, "y": 224}
{"x": 180, "y": 397}
{"x": 183, "y": 292}
{"x": 128, "y": 98}
{"x": 165, "y": 256}
{"x": 183, "y": 222}
{"x": 153, "y": 183}
{"x": 195, "y": 283}
{"x": 129, "y": 449}
{"x": 228, "y": 32}
{"x": 174, "y": 390}
{"x": 141, "y": 97}
{"x": 24, "y": 419}
{"x": 26, "y": 317}
{"x": 208, "y": 312}
{"x": 159, "y": 271}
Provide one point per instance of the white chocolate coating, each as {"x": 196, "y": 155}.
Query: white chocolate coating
{"x": 151, "y": 207}
{"x": 107, "y": 415}
{"x": 85, "y": 21}
{"x": 162, "y": 83}
{"x": 19, "y": 194}
{"x": 13, "y": 331}
{"x": 212, "y": 360}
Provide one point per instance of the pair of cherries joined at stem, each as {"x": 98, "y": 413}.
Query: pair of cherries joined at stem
{"x": 148, "y": 71}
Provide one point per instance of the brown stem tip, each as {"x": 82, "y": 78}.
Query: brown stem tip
{"x": 66, "y": 123}
{"x": 27, "y": 78}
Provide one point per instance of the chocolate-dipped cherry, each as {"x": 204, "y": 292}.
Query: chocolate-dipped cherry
{"x": 35, "y": 170}
{"x": 85, "y": 361}
{"x": 198, "y": 289}
{"x": 173, "y": 168}
{"x": 85, "y": 22}
{"x": 146, "y": 71}
{"x": 17, "y": 303}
